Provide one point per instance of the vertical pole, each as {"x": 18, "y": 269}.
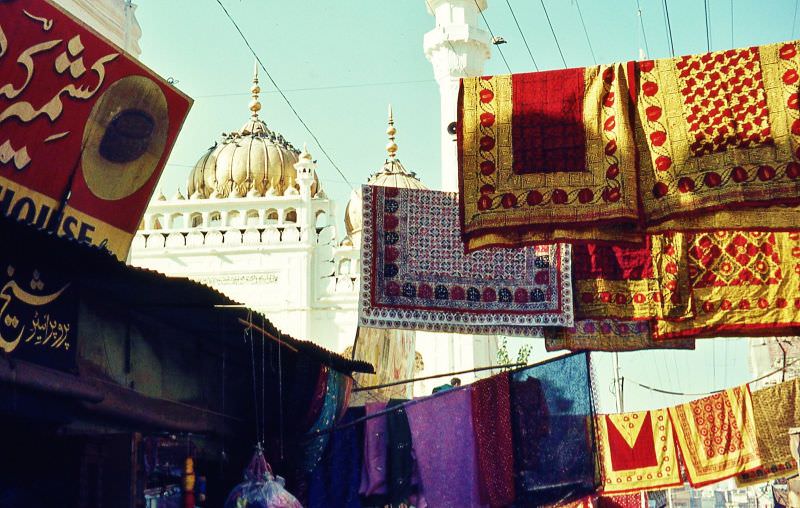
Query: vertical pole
{"x": 618, "y": 385}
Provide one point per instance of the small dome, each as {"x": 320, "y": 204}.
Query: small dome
{"x": 393, "y": 174}
{"x": 251, "y": 162}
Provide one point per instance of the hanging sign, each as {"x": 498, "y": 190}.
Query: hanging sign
{"x": 85, "y": 129}
{"x": 38, "y": 315}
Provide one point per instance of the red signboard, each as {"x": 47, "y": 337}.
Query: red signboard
{"x": 85, "y": 129}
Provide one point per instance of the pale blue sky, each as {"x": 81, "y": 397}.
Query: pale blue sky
{"x": 342, "y": 62}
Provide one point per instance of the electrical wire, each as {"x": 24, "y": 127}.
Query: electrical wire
{"x": 708, "y": 25}
{"x": 315, "y": 88}
{"x": 668, "y": 25}
{"x": 732, "y": 21}
{"x": 794, "y": 18}
{"x": 702, "y": 394}
{"x": 585, "y": 32}
{"x": 552, "y": 30}
{"x": 641, "y": 26}
{"x": 486, "y": 22}
{"x": 524, "y": 40}
{"x": 286, "y": 99}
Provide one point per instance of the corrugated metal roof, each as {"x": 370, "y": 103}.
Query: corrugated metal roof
{"x": 187, "y": 304}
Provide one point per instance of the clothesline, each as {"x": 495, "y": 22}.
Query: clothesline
{"x": 404, "y": 405}
{"x": 435, "y": 376}
{"x": 701, "y": 394}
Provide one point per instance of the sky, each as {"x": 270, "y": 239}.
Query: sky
{"x": 340, "y": 63}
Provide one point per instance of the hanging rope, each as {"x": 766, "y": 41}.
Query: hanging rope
{"x": 585, "y": 32}
{"x": 552, "y": 30}
{"x": 706, "y": 8}
{"x": 703, "y": 394}
{"x": 248, "y": 332}
{"x": 493, "y": 36}
{"x": 436, "y": 376}
{"x": 668, "y": 26}
{"x": 641, "y": 26}
{"x": 522, "y": 33}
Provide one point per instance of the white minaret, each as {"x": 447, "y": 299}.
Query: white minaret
{"x": 456, "y": 48}
{"x": 114, "y": 19}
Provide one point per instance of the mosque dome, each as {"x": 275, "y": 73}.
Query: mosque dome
{"x": 392, "y": 174}
{"x": 251, "y": 162}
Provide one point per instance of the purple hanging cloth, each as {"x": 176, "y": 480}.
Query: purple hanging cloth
{"x": 444, "y": 445}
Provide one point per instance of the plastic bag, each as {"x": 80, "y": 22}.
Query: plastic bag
{"x": 260, "y": 488}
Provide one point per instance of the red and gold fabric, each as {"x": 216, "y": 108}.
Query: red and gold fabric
{"x": 620, "y": 281}
{"x": 776, "y": 409}
{"x": 742, "y": 284}
{"x": 546, "y": 150}
{"x": 85, "y": 129}
{"x": 717, "y": 436}
{"x": 722, "y": 130}
{"x": 637, "y": 451}
{"x": 608, "y": 335}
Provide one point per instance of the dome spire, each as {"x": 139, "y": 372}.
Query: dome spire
{"x": 255, "y": 104}
{"x": 391, "y": 146}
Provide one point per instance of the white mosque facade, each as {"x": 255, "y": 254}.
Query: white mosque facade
{"x": 255, "y": 223}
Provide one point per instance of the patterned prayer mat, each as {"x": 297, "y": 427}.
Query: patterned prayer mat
{"x": 611, "y": 152}
{"x": 776, "y": 409}
{"x": 415, "y": 275}
{"x": 637, "y": 451}
{"x": 717, "y": 436}
{"x": 608, "y": 335}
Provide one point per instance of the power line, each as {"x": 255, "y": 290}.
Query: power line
{"x": 795, "y": 11}
{"x": 794, "y": 18}
{"x": 585, "y": 32}
{"x": 641, "y": 26}
{"x": 668, "y": 27}
{"x": 546, "y": 15}
{"x": 288, "y": 102}
{"x": 522, "y": 34}
{"x": 492, "y": 34}
{"x": 708, "y": 24}
{"x": 314, "y": 88}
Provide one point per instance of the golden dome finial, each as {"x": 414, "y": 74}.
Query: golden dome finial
{"x": 255, "y": 104}
{"x": 391, "y": 146}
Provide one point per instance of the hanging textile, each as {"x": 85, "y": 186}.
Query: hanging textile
{"x": 637, "y": 451}
{"x": 608, "y": 335}
{"x": 721, "y": 131}
{"x": 491, "y": 420}
{"x": 741, "y": 284}
{"x": 336, "y": 394}
{"x": 546, "y": 150}
{"x": 717, "y": 436}
{"x": 414, "y": 274}
{"x": 630, "y": 500}
{"x": 692, "y": 143}
{"x": 334, "y": 483}
{"x": 391, "y": 352}
{"x": 373, "y": 472}
{"x": 552, "y": 421}
{"x": 399, "y": 460}
{"x": 444, "y": 446}
{"x": 776, "y": 409}
{"x": 317, "y": 398}
{"x": 633, "y": 282}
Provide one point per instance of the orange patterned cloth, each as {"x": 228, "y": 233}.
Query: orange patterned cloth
{"x": 637, "y": 451}
{"x": 741, "y": 284}
{"x": 776, "y": 409}
{"x": 717, "y": 436}
{"x": 610, "y": 153}
{"x": 721, "y": 130}
{"x": 608, "y": 335}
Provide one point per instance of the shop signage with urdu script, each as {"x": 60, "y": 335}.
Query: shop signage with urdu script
{"x": 85, "y": 129}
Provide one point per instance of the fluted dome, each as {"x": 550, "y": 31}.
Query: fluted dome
{"x": 251, "y": 162}
{"x": 392, "y": 174}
